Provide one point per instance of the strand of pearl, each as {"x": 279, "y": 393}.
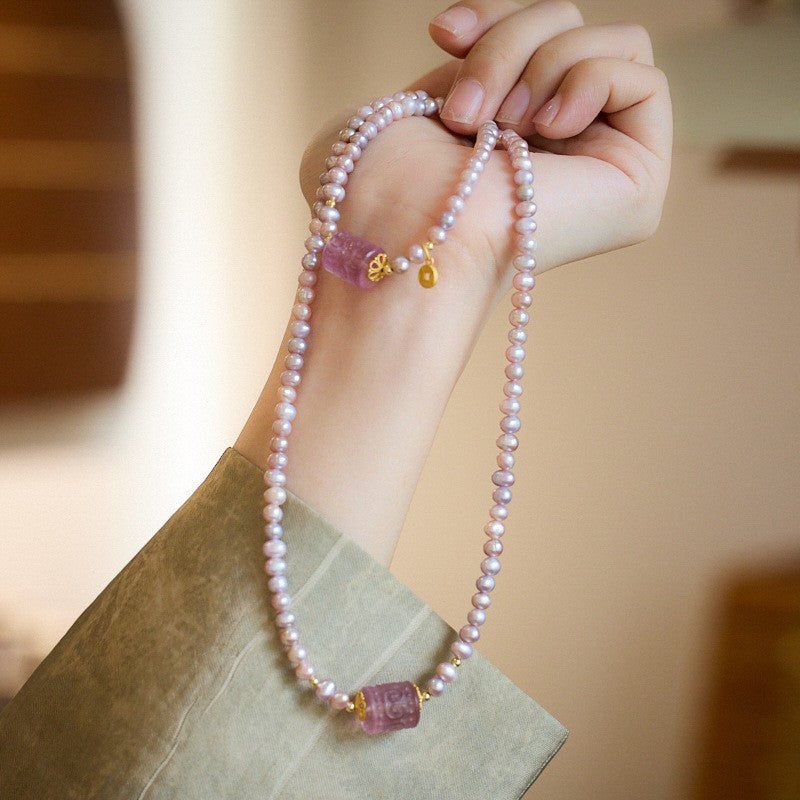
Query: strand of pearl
{"x": 353, "y": 139}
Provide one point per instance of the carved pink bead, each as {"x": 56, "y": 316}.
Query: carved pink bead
{"x": 389, "y": 707}
{"x": 348, "y": 256}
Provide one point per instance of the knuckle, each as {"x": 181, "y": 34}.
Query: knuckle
{"x": 568, "y": 10}
{"x": 639, "y": 35}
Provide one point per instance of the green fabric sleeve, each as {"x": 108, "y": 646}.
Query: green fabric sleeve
{"x": 172, "y": 684}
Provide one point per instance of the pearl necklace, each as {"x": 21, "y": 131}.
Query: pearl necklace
{"x": 396, "y": 705}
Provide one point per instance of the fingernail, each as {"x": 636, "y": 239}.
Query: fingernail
{"x": 515, "y": 105}
{"x": 464, "y": 101}
{"x": 459, "y": 20}
{"x": 548, "y": 112}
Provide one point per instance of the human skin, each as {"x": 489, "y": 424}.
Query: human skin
{"x": 383, "y": 362}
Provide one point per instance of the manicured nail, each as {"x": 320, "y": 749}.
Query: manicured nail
{"x": 548, "y": 112}
{"x": 515, "y": 105}
{"x": 464, "y": 102}
{"x": 459, "y": 20}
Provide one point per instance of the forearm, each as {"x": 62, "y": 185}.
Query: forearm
{"x": 380, "y": 367}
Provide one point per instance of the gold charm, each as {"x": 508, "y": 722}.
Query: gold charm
{"x": 428, "y": 275}
{"x": 379, "y": 267}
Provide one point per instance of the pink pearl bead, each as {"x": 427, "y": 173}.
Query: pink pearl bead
{"x": 512, "y": 389}
{"x": 274, "y": 548}
{"x": 447, "y": 672}
{"x": 499, "y": 512}
{"x": 285, "y": 411}
{"x": 503, "y": 477}
{"x": 300, "y": 329}
{"x": 276, "y": 566}
{"x": 519, "y": 317}
{"x": 510, "y": 406}
{"x": 296, "y": 654}
{"x": 285, "y": 619}
{"x": 304, "y": 671}
{"x": 523, "y": 281}
{"x": 485, "y": 584}
{"x": 273, "y": 530}
{"x": 339, "y": 701}
{"x": 289, "y": 636}
{"x": 495, "y": 528}
{"x": 521, "y": 299}
{"x": 524, "y": 225}
{"x": 436, "y": 234}
{"x": 511, "y": 423}
{"x": 515, "y": 352}
{"x": 507, "y": 441}
{"x": 325, "y": 690}
{"x": 272, "y": 513}
{"x": 287, "y": 394}
{"x": 526, "y": 208}
{"x": 290, "y": 377}
{"x": 524, "y": 192}
{"x": 274, "y": 477}
{"x": 493, "y": 547}
{"x": 278, "y": 461}
{"x": 301, "y": 311}
{"x": 316, "y": 242}
{"x": 293, "y": 361}
{"x": 307, "y": 278}
{"x": 281, "y": 601}
{"x": 481, "y": 600}
{"x": 435, "y": 687}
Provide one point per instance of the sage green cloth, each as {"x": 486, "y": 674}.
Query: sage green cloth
{"x": 172, "y": 684}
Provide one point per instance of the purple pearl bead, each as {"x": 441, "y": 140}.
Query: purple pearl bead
{"x": 494, "y": 528}
{"x": 435, "y": 687}
{"x": 461, "y": 650}
{"x": 502, "y": 494}
{"x": 469, "y": 634}
{"x": 507, "y": 441}
{"x": 278, "y": 583}
{"x": 481, "y": 600}
{"x": 499, "y": 512}
{"x": 510, "y": 424}
{"x": 490, "y": 566}
{"x": 514, "y": 371}
{"x": 485, "y": 584}
{"x": 476, "y": 617}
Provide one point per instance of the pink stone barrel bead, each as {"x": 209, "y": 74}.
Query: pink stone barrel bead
{"x": 348, "y": 256}
{"x": 390, "y": 707}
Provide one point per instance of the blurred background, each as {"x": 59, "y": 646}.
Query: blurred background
{"x": 151, "y": 227}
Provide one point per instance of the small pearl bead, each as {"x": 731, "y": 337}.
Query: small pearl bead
{"x": 274, "y": 477}
{"x": 301, "y": 311}
{"x": 325, "y": 689}
{"x": 437, "y": 234}
{"x": 481, "y": 600}
{"x": 512, "y": 389}
{"x": 315, "y": 242}
{"x": 332, "y": 191}
{"x": 281, "y": 601}
{"x": 524, "y": 192}
{"x": 278, "y": 444}
{"x": 510, "y": 406}
{"x": 510, "y": 424}
{"x": 275, "y": 494}
{"x": 515, "y": 353}
{"x": 339, "y": 701}
{"x": 493, "y": 547}
{"x": 499, "y": 512}
{"x": 523, "y": 177}
{"x": 447, "y": 672}
{"x": 278, "y": 460}
{"x": 276, "y": 566}
{"x": 490, "y": 566}
{"x": 485, "y": 584}
{"x": 279, "y": 583}
{"x": 514, "y": 372}
{"x": 400, "y": 264}
{"x": 435, "y": 687}
{"x": 289, "y": 636}
{"x": 464, "y": 189}
{"x": 304, "y": 671}
{"x": 503, "y": 477}
{"x": 469, "y": 634}
{"x": 416, "y": 255}
{"x": 272, "y": 513}
{"x": 519, "y": 317}
{"x": 476, "y": 617}
{"x": 521, "y": 299}
{"x": 461, "y": 650}
{"x": 526, "y": 208}
{"x": 526, "y": 242}
{"x": 517, "y": 336}
{"x": 310, "y": 260}
{"x": 507, "y": 441}
{"x": 274, "y": 548}
{"x": 304, "y": 295}
{"x": 525, "y": 225}
{"x": 502, "y": 494}
{"x": 523, "y": 281}
{"x": 447, "y": 220}
{"x": 494, "y": 528}
{"x": 290, "y": 377}
{"x": 329, "y": 214}
{"x": 300, "y": 329}
{"x": 285, "y": 619}
{"x": 293, "y": 361}
{"x": 455, "y": 203}
{"x": 296, "y": 654}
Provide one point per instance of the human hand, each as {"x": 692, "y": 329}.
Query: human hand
{"x": 589, "y": 100}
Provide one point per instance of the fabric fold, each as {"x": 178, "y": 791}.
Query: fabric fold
{"x": 172, "y": 684}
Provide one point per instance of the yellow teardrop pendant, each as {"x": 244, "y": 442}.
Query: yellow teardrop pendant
{"x": 428, "y": 275}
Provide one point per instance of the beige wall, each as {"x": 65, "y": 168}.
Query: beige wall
{"x": 660, "y": 439}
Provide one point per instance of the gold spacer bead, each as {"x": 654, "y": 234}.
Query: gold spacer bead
{"x": 426, "y": 696}
{"x": 350, "y": 707}
{"x": 314, "y": 681}
{"x": 330, "y": 202}
{"x": 455, "y": 661}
